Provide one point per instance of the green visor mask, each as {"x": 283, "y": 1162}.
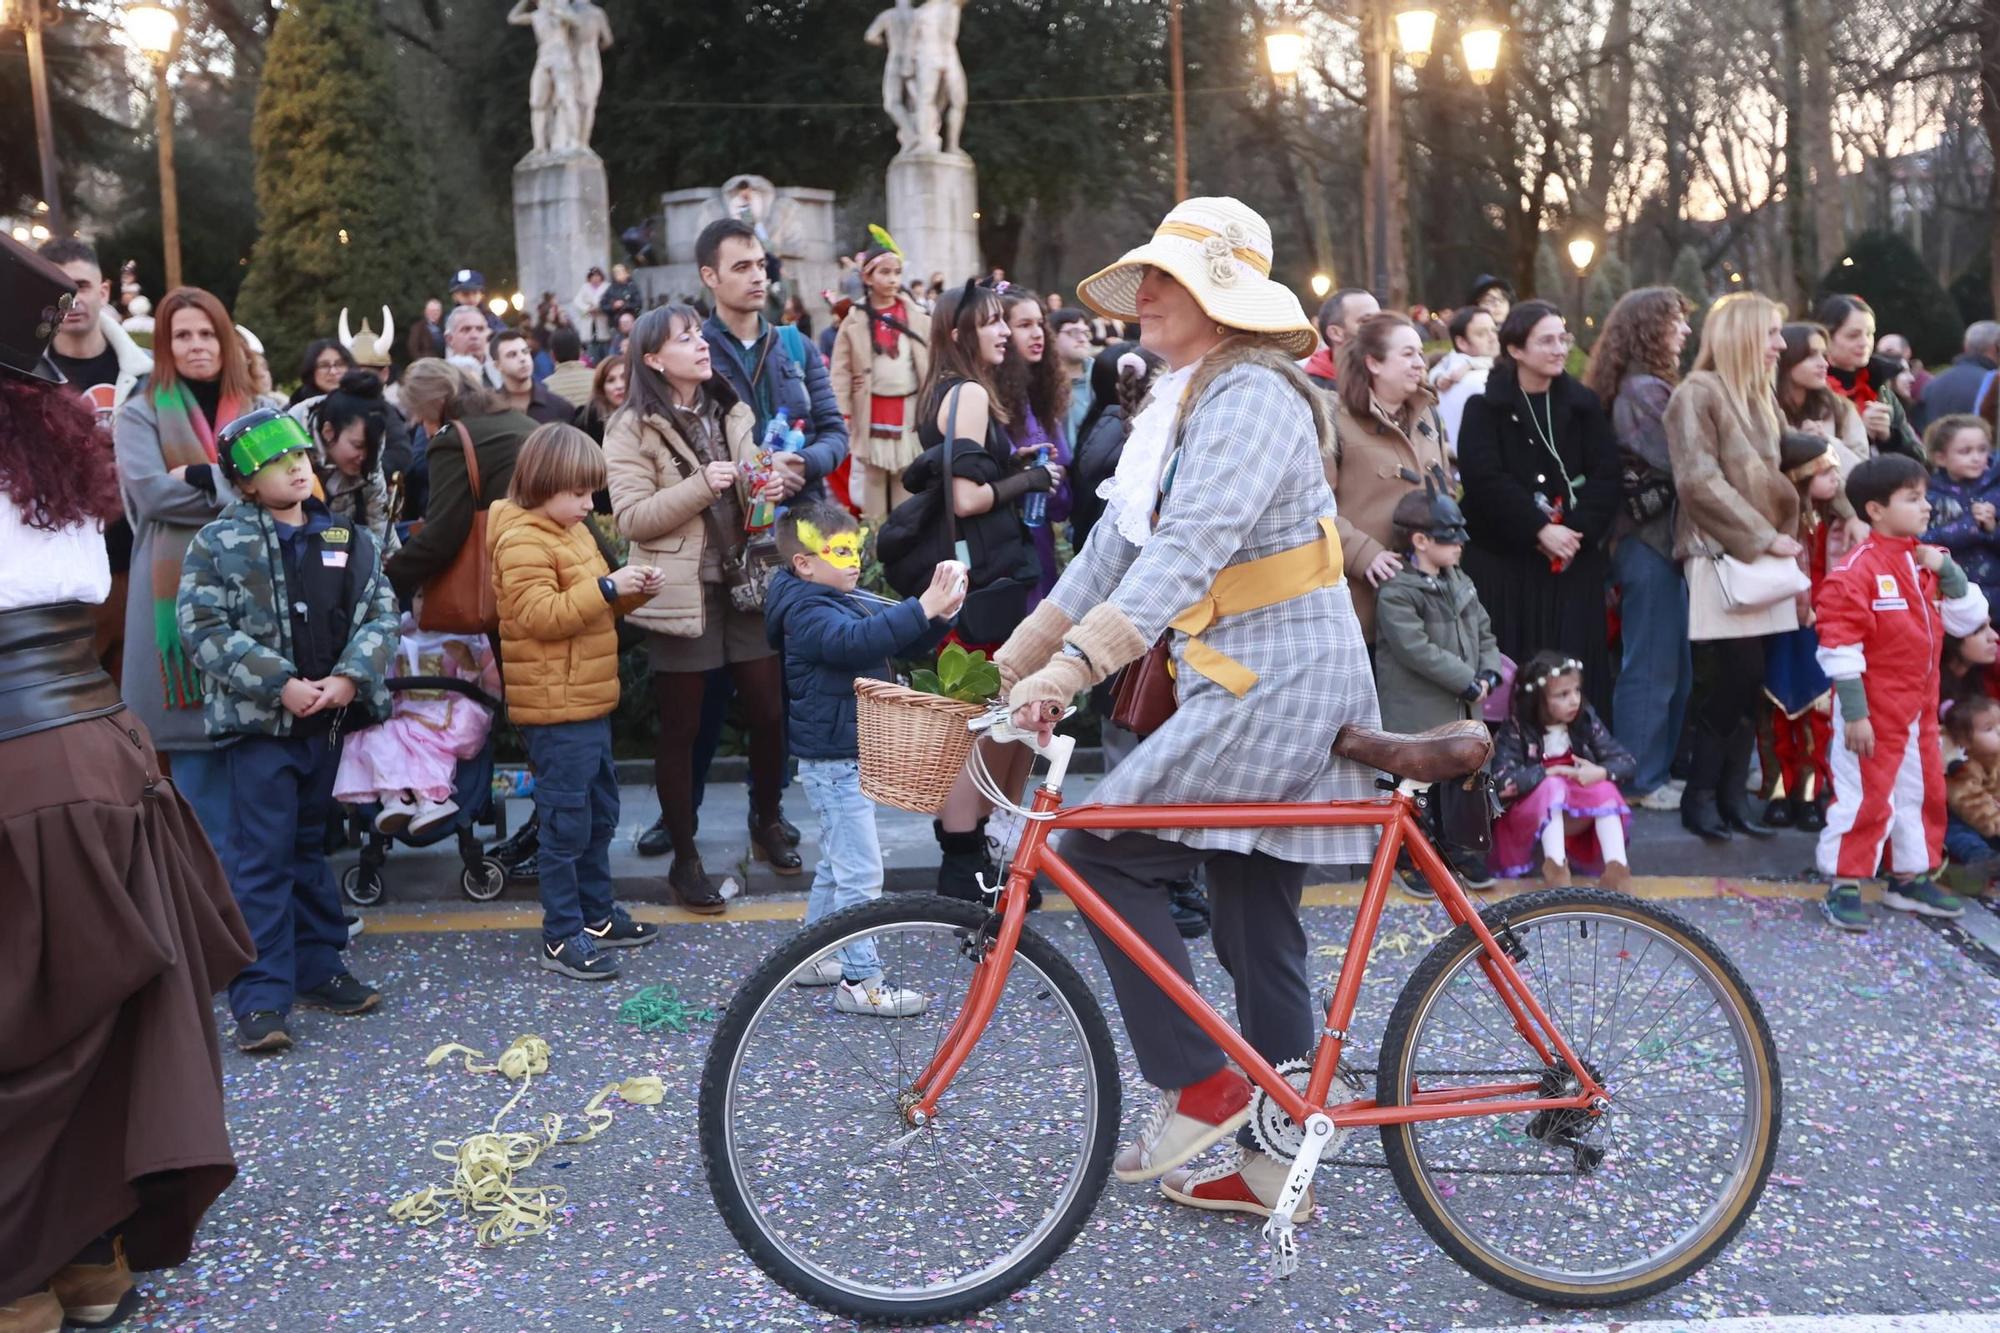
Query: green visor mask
{"x": 251, "y": 441}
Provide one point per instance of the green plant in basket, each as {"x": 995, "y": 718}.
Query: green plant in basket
{"x": 966, "y": 677}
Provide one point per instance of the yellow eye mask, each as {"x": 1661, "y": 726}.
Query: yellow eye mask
{"x": 842, "y": 550}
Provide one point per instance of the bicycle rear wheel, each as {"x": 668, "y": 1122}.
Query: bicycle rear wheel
{"x": 1562, "y": 1206}
{"x": 826, "y": 1185}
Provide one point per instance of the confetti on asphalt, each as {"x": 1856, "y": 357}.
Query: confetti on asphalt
{"x": 1886, "y": 1197}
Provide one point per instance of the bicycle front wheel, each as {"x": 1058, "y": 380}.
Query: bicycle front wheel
{"x": 1562, "y": 1206}
{"x": 816, "y": 1170}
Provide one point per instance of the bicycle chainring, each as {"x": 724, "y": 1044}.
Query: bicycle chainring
{"x": 1276, "y": 1133}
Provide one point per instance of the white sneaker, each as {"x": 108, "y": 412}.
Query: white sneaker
{"x": 1666, "y": 796}
{"x": 874, "y": 996}
{"x": 396, "y": 814}
{"x": 1003, "y": 835}
{"x": 1184, "y": 1122}
{"x": 1245, "y": 1182}
{"x": 431, "y": 813}
{"x": 819, "y": 972}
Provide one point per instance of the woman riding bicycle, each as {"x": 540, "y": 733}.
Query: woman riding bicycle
{"x": 1219, "y": 535}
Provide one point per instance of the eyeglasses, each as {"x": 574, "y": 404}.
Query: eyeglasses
{"x": 1552, "y": 342}
{"x": 329, "y": 365}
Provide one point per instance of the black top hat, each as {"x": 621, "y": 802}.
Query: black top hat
{"x": 34, "y": 294}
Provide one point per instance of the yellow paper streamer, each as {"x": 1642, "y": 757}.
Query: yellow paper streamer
{"x": 485, "y": 1166}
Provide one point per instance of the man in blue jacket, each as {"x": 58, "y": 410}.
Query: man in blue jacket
{"x": 772, "y": 369}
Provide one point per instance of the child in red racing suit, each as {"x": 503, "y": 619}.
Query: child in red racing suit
{"x": 1880, "y": 630}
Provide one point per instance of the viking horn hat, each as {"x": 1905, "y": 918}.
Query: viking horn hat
{"x": 368, "y": 348}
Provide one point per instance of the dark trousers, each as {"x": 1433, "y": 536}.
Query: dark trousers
{"x": 576, "y": 799}
{"x": 1258, "y": 937}
{"x": 1731, "y": 693}
{"x": 281, "y": 794}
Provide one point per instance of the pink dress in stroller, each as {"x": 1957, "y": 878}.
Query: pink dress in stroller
{"x": 430, "y": 731}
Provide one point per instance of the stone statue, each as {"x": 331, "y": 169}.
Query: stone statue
{"x": 923, "y": 81}
{"x": 592, "y": 35}
{"x": 562, "y": 91}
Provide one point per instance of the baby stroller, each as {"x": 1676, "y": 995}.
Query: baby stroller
{"x": 481, "y": 876}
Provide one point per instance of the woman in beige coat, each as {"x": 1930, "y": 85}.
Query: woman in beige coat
{"x": 1387, "y": 439}
{"x": 675, "y": 452}
{"x": 1723, "y": 432}
{"x": 879, "y": 360}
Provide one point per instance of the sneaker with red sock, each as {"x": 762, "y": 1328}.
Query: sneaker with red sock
{"x": 1184, "y": 1122}
{"x": 1246, "y": 1182}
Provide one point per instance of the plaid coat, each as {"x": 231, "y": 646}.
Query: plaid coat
{"x": 1248, "y": 483}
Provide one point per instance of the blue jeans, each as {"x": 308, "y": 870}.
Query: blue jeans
{"x": 202, "y": 777}
{"x": 1964, "y": 844}
{"x": 281, "y": 789}
{"x": 576, "y": 798}
{"x": 850, "y": 854}
{"x": 1650, "y": 701}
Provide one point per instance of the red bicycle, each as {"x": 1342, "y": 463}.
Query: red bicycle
{"x": 1576, "y": 1091}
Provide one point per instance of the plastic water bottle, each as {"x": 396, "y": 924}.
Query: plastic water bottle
{"x": 1035, "y": 504}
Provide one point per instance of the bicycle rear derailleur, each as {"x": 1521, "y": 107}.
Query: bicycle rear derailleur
{"x": 1565, "y": 1127}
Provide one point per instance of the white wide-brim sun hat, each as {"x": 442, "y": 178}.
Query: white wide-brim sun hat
{"x": 1220, "y": 250}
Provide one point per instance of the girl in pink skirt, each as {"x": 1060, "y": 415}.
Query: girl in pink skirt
{"x": 1557, "y": 770}
{"x": 406, "y": 764}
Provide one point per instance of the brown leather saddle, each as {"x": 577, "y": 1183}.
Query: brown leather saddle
{"x": 1438, "y": 755}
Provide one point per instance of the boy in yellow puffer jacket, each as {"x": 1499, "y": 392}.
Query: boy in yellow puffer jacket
{"x": 559, "y": 605}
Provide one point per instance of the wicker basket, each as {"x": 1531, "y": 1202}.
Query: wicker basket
{"x": 913, "y": 745}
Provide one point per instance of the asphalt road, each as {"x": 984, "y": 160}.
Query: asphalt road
{"x": 1885, "y": 1199}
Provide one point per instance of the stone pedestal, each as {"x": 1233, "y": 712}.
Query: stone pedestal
{"x": 797, "y": 226}
{"x": 562, "y": 222}
{"x": 932, "y": 199}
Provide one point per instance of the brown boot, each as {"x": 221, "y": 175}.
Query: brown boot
{"x": 693, "y": 889}
{"x": 39, "y": 1313}
{"x": 769, "y": 844}
{"x": 1555, "y": 874}
{"x": 97, "y": 1295}
{"x": 1617, "y": 876}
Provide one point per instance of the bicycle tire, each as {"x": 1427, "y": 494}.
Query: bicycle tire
{"x": 1398, "y": 1141}
{"x": 776, "y": 972}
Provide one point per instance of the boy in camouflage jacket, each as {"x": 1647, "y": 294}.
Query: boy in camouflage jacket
{"x": 287, "y": 615}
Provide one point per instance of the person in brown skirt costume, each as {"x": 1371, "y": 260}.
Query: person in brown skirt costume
{"x": 120, "y": 924}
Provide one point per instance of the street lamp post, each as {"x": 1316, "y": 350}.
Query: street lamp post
{"x": 156, "y": 30}
{"x": 1177, "y": 75}
{"x": 1581, "y": 251}
{"x": 32, "y": 17}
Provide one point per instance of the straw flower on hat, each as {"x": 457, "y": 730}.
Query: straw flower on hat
{"x": 1220, "y": 250}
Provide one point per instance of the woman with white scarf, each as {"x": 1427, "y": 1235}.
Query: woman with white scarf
{"x": 1224, "y": 467}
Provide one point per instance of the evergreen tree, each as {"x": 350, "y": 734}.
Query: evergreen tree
{"x": 1882, "y": 269}
{"x": 1689, "y": 277}
{"x": 1553, "y": 279}
{"x": 341, "y": 221}
{"x": 1610, "y": 281}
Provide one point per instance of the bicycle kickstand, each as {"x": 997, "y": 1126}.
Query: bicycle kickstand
{"x": 1278, "y": 1228}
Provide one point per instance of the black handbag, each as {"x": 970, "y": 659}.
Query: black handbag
{"x": 909, "y": 550}
{"x": 1647, "y": 492}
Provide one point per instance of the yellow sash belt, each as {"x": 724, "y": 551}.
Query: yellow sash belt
{"x": 1251, "y": 586}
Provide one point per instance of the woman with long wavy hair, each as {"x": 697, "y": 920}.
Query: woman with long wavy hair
{"x": 1035, "y": 388}
{"x": 1723, "y": 429}
{"x": 1633, "y": 371}
{"x": 110, "y": 1076}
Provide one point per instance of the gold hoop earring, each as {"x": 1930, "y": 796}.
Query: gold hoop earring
{"x": 1221, "y": 332}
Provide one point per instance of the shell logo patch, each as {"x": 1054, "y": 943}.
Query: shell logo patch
{"x": 1885, "y": 585}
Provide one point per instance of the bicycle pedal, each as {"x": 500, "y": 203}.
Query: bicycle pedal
{"x": 1285, "y": 1250}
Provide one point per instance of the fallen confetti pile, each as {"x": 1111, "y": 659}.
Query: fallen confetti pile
{"x": 485, "y": 1165}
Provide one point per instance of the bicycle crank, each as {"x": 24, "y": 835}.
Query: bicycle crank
{"x": 1317, "y": 1137}
{"x": 1280, "y": 1136}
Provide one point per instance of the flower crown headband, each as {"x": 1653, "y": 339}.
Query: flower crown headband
{"x": 1569, "y": 666}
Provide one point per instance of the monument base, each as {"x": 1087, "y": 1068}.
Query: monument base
{"x": 562, "y": 222}
{"x": 932, "y": 199}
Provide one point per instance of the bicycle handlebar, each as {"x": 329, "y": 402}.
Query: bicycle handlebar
{"x": 997, "y": 723}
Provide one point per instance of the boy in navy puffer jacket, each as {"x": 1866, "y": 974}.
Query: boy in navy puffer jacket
{"x": 830, "y": 634}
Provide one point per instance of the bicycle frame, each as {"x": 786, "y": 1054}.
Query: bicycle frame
{"x": 1396, "y": 816}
